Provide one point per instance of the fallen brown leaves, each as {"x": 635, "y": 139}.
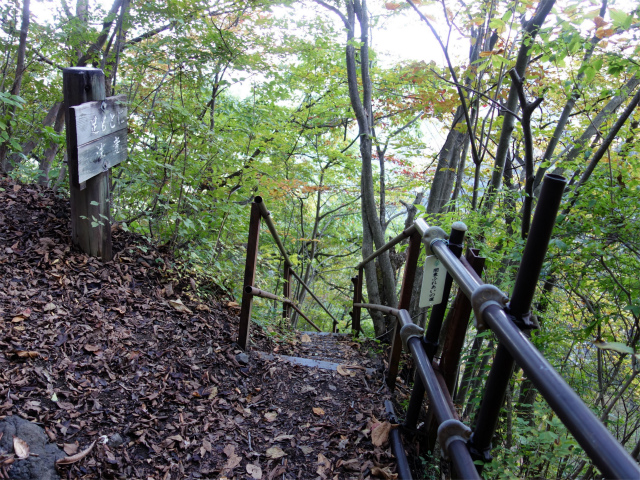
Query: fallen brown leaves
{"x": 20, "y": 447}
{"x": 125, "y": 352}
{"x": 77, "y": 457}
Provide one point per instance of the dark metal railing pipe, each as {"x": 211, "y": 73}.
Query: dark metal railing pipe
{"x": 535, "y": 249}
{"x": 438, "y": 402}
{"x": 261, "y": 293}
{"x": 272, "y": 228}
{"x": 404, "y": 473}
{"x": 391, "y": 243}
{"x": 313, "y": 295}
{"x": 244, "y": 328}
{"x": 487, "y": 417}
{"x": 471, "y": 269}
{"x": 256, "y": 292}
{"x": 521, "y": 298}
{"x": 457, "y": 325}
{"x": 432, "y": 333}
{"x": 437, "y": 398}
{"x": 357, "y": 298}
{"x": 436, "y": 317}
{"x": 463, "y": 462}
{"x": 286, "y": 291}
{"x": 404, "y": 302}
{"x": 295, "y": 307}
{"x": 467, "y": 282}
{"x": 598, "y": 443}
{"x": 380, "y": 308}
{"x": 266, "y": 215}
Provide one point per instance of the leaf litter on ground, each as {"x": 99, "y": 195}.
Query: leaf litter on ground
{"x": 94, "y": 350}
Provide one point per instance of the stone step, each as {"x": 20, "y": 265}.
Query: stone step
{"x": 325, "y": 334}
{"x": 307, "y": 362}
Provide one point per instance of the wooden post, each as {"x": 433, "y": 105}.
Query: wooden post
{"x": 90, "y": 205}
{"x": 413, "y": 253}
{"x": 249, "y": 276}
{"x": 286, "y": 291}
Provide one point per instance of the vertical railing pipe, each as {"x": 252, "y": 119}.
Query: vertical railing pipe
{"x": 357, "y": 298}
{"x": 519, "y": 310}
{"x": 249, "y": 276}
{"x": 410, "y": 267}
{"x": 456, "y": 239}
{"x": 286, "y": 291}
{"x": 457, "y": 327}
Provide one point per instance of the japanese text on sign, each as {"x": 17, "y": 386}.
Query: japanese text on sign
{"x": 432, "y": 282}
{"x": 101, "y": 135}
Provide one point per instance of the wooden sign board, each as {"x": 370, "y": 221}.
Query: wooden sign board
{"x": 101, "y": 132}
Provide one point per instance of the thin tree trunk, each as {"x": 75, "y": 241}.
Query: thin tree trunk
{"x": 50, "y": 152}
{"x": 372, "y": 229}
{"x": 5, "y": 165}
{"x": 529, "y": 35}
{"x": 568, "y": 107}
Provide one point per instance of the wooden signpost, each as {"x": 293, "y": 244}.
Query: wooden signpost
{"x": 96, "y": 141}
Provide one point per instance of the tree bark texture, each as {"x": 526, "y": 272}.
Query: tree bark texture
{"x": 361, "y": 103}
{"x": 529, "y": 35}
{"x": 5, "y": 165}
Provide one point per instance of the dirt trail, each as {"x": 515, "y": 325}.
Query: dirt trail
{"x": 126, "y": 352}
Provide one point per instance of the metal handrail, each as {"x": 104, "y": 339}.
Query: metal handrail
{"x": 439, "y": 399}
{"x": 596, "y": 440}
{"x": 256, "y": 292}
{"x": 396, "y": 444}
{"x": 391, "y": 243}
{"x": 266, "y": 216}
{"x": 607, "y": 454}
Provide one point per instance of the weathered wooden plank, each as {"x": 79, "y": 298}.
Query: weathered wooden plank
{"x": 98, "y": 119}
{"x": 100, "y": 155}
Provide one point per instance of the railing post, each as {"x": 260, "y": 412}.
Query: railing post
{"x": 286, "y": 291}
{"x": 411, "y": 265}
{"x": 457, "y": 327}
{"x": 249, "y": 276}
{"x": 456, "y": 240}
{"x": 519, "y": 310}
{"x": 357, "y": 298}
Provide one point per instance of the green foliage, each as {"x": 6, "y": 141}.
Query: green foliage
{"x": 227, "y": 103}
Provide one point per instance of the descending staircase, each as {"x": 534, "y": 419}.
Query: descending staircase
{"x": 324, "y": 350}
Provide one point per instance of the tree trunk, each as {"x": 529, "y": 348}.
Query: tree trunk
{"x": 51, "y": 151}
{"x": 372, "y": 227}
{"x": 529, "y": 35}
{"x": 580, "y": 144}
{"x": 568, "y": 108}
{"x": 5, "y": 165}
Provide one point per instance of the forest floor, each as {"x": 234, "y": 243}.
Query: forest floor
{"x": 127, "y": 355}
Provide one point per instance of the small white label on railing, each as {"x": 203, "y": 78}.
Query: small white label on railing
{"x": 432, "y": 282}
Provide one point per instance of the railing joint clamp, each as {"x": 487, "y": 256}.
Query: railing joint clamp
{"x": 450, "y": 431}
{"x": 408, "y": 331}
{"x": 526, "y": 321}
{"x": 433, "y": 235}
{"x": 484, "y": 296}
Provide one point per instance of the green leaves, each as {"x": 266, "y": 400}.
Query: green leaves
{"x": 12, "y": 100}
{"x": 621, "y": 19}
